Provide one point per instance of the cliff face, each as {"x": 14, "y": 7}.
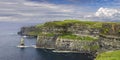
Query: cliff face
{"x": 47, "y": 42}
{"x": 75, "y": 45}
{"x": 76, "y": 36}
{"x": 108, "y": 42}
{"x": 28, "y": 30}
{"x": 111, "y": 29}
{"x": 61, "y": 44}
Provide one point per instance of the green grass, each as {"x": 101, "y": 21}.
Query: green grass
{"x": 75, "y": 37}
{"x": 113, "y": 55}
{"x": 47, "y": 34}
{"x": 39, "y": 25}
{"x": 94, "y": 47}
{"x": 34, "y": 33}
{"x": 60, "y": 23}
{"x": 67, "y": 23}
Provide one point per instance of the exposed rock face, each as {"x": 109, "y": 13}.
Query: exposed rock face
{"x": 108, "y": 37}
{"x": 109, "y": 42}
{"x": 46, "y": 42}
{"x": 66, "y": 44}
{"x": 69, "y": 44}
{"x": 74, "y": 45}
{"x": 83, "y": 30}
{"x": 26, "y": 30}
{"x": 111, "y": 29}
{"x": 105, "y": 41}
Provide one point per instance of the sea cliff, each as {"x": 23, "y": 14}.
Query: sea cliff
{"x": 76, "y": 36}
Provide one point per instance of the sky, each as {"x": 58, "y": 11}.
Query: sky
{"x": 50, "y": 10}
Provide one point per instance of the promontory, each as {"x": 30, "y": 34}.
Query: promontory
{"x": 102, "y": 39}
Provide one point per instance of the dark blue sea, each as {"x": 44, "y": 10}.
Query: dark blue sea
{"x": 9, "y": 40}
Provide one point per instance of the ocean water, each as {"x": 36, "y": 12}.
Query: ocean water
{"x": 9, "y": 40}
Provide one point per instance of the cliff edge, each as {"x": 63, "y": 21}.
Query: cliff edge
{"x": 76, "y": 36}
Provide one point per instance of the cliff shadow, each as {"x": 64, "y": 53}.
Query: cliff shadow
{"x": 49, "y": 55}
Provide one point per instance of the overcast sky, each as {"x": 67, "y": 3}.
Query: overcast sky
{"x": 48, "y": 10}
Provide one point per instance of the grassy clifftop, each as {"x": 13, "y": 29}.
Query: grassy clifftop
{"x": 75, "y": 37}
{"x": 106, "y": 28}
{"x": 111, "y": 55}
{"x": 67, "y": 23}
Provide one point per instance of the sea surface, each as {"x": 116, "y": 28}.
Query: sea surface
{"x": 9, "y": 40}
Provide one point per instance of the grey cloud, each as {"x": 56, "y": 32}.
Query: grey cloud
{"x": 17, "y": 11}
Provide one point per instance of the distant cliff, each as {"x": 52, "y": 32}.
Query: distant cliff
{"x": 76, "y": 36}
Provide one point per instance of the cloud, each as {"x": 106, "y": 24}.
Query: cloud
{"x": 23, "y": 10}
{"x": 55, "y": 7}
{"x": 39, "y": 4}
{"x": 106, "y": 12}
{"x": 4, "y": 18}
{"x": 10, "y": 3}
{"x": 27, "y": 14}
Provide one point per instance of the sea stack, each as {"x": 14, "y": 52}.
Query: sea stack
{"x": 22, "y": 42}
